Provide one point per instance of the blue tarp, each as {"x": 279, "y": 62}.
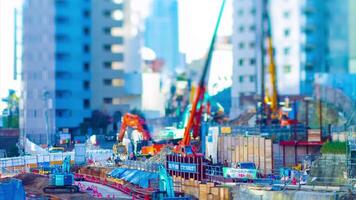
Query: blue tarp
{"x": 12, "y": 189}
{"x": 116, "y": 173}
{"x": 137, "y": 177}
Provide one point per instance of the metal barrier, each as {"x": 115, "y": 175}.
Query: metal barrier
{"x": 141, "y": 165}
{"x": 17, "y": 164}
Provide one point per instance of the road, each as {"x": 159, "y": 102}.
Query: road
{"x": 105, "y": 190}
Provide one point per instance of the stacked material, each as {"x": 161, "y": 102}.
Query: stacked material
{"x": 201, "y": 190}
{"x": 209, "y": 191}
{"x": 94, "y": 171}
{"x": 161, "y": 156}
{"x": 191, "y": 187}
{"x": 237, "y": 148}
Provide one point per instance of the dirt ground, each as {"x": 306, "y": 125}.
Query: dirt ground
{"x": 34, "y": 185}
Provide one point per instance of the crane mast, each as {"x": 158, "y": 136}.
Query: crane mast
{"x": 201, "y": 88}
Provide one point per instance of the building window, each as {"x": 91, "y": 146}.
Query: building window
{"x": 253, "y": 11}
{"x": 107, "y": 30}
{"x": 114, "y": 82}
{"x": 252, "y": 61}
{"x": 62, "y": 38}
{"x": 252, "y": 79}
{"x": 63, "y": 93}
{"x": 107, "y": 82}
{"x": 86, "y": 31}
{"x": 241, "y": 62}
{"x": 287, "y": 69}
{"x": 286, "y": 32}
{"x": 86, "y": 13}
{"x": 63, "y": 75}
{"x": 117, "y": 15}
{"x": 86, "y": 85}
{"x": 63, "y": 113}
{"x": 114, "y": 65}
{"x": 107, "y": 100}
{"x": 117, "y": 65}
{"x": 286, "y": 50}
{"x": 252, "y": 28}
{"x": 241, "y": 45}
{"x": 252, "y": 44}
{"x": 107, "y": 65}
{"x": 118, "y": 82}
{"x": 86, "y": 67}
{"x": 86, "y": 48}
{"x": 62, "y": 56}
{"x": 286, "y": 14}
{"x": 115, "y": 48}
{"x": 116, "y": 31}
{"x": 86, "y": 103}
{"x": 241, "y": 28}
{"x": 61, "y": 20}
{"x": 241, "y": 79}
{"x": 107, "y": 47}
{"x": 107, "y": 13}
{"x": 117, "y": 101}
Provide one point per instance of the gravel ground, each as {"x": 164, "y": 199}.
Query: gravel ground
{"x": 34, "y": 185}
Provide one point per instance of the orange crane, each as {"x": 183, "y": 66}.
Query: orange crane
{"x": 184, "y": 146}
{"x": 139, "y": 124}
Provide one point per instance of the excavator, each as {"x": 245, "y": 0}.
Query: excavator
{"x": 139, "y": 124}
{"x": 62, "y": 181}
{"x": 184, "y": 146}
{"x": 274, "y": 111}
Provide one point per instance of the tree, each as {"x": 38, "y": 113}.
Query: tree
{"x": 116, "y": 118}
{"x": 100, "y": 121}
{"x": 138, "y": 112}
{"x": 12, "y": 110}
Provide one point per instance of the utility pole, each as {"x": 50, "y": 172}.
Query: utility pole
{"x": 46, "y": 102}
{"x": 263, "y": 104}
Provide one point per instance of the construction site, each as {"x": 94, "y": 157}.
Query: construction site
{"x": 271, "y": 152}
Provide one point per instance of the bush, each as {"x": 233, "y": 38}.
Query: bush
{"x": 334, "y": 148}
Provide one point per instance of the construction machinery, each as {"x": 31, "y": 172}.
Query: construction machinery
{"x": 165, "y": 183}
{"x": 275, "y": 114}
{"x": 184, "y": 146}
{"x": 62, "y": 181}
{"x": 139, "y": 124}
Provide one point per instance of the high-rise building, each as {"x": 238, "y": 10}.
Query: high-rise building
{"x": 161, "y": 32}
{"x": 246, "y": 54}
{"x": 308, "y": 37}
{"x": 74, "y": 53}
{"x": 37, "y": 111}
{"x": 352, "y": 36}
{"x": 115, "y": 81}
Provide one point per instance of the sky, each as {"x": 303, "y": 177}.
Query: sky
{"x": 7, "y": 49}
{"x": 197, "y": 19}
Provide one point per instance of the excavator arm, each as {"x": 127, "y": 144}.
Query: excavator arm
{"x": 135, "y": 122}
